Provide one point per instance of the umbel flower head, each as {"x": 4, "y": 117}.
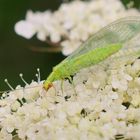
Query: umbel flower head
{"x": 102, "y": 103}
{"x": 72, "y": 23}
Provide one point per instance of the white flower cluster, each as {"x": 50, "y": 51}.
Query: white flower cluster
{"x": 73, "y": 22}
{"x": 103, "y": 103}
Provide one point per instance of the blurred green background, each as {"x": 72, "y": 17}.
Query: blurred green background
{"x": 15, "y": 56}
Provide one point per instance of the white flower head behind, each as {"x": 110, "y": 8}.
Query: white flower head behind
{"x": 73, "y": 22}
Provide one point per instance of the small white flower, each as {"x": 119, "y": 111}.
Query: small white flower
{"x": 108, "y": 131}
{"x": 114, "y": 95}
{"x": 4, "y": 135}
{"x": 25, "y": 29}
{"x": 84, "y": 124}
{"x": 135, "y": 99}
{"x": 15, "y": 106}
{"x": 73, "y": 108}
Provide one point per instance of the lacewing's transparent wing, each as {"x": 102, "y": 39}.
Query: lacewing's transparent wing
{"x": 119, "y": 31}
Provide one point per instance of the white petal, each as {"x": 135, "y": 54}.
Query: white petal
{"x": 25, "y": 29}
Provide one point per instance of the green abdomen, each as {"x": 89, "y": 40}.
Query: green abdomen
{"x": 93, "y": 57}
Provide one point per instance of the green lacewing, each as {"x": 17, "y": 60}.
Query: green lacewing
{"x": 102, "y": 45}
{"x": 97, "y": 48}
